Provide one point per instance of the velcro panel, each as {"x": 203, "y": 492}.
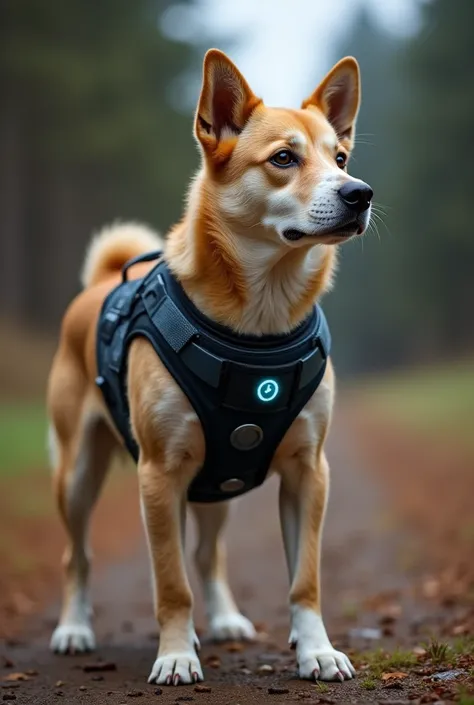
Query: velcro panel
{"x": 173, "y": 326}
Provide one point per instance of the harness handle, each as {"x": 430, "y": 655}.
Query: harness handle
{"x": 147, "y": 257}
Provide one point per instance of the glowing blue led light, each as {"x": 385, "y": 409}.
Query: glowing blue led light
{"x": 268, "y": 390}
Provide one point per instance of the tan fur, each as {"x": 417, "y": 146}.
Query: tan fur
{"x": 231, "y": 256}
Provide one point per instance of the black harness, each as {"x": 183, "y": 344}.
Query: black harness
{"x": 246, "y": 390}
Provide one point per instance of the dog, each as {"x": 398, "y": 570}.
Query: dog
{"x": 255, "y": 250}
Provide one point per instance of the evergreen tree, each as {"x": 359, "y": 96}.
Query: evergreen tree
{"x": 86, "y": 136}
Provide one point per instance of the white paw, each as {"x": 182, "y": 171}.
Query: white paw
{"x": 233, "y": 626}
{"x": 72, "y": 639}
{"x": 176, "y": 669}
{"x": 325, "y": 664}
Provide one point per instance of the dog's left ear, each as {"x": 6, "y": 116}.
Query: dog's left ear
{"x": 338, "y": 97}
{"x": 226, "y": 101}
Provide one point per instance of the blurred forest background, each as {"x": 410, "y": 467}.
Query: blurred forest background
{"x": 88, "y": 135}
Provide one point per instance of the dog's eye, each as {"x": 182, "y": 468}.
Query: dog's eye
{"x": 341, "y": 160}
{"x": 284, "y": 158}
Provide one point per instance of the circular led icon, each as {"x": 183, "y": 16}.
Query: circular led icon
{"x": 268, "y": 390}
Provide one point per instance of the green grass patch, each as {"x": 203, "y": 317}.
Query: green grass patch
{"x": 22, "y": 438}
{"x": 464, "y": 698}
{"x": 464, "y": 645}
{"x": 368, "y": 683}
{"x": 380, "y": 661}
{"x": 322, "y": 687}
{"x": 436, "y": 399}
{"x": 438, "y": 651}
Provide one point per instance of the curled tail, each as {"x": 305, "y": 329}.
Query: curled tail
{"x": 113, "y": 246}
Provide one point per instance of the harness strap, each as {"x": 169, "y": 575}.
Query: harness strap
{"x": 147, "y": 257}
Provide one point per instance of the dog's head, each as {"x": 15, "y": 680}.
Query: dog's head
{"x": 280, "y": 168}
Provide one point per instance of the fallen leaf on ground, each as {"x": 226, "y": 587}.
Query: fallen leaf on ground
{"x": 394, "y": 676}
{"x": 100, "y": 666}
{"x": 14, "y": 677}
{"x": 234, "y": 647}
{"x": 460, "y": 630}
{"x": 431, "y": 588}
{"x": 390, "y": 613}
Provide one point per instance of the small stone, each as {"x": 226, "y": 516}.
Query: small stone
{"x": 158, "y": 691}
{"x": 31, "y": 672}
{"x": 366, "y": 633}
{"x": 59, "y": 684}
{"x": 59, "y": 693}
{"x": 7, "y": 663}
{"x": 97, "y": 678}
{"x": 9, "y": 696}
{"x": 246, "y": 671}
{"x": 100, "y": 666}
{"x": 184, "y": 698}
{"x": 448, "y": 675}
{"x": 265, "y": 669}
{"x": 82, "y": 688}
{"x": 278, "y": 691}
{"x": 202, "y": 688}
{"x": 134, "y": 693}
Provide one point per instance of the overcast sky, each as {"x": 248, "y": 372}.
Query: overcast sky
{"x": 281, "y": 45}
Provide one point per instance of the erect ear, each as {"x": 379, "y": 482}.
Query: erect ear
{"x": 226, "y": 101}
{"x": 338, "y": 97}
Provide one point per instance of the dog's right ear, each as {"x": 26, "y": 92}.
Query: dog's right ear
{"x": 225, "y": 104}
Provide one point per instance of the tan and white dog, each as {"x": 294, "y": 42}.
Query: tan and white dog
{"x": 254, "y": 251}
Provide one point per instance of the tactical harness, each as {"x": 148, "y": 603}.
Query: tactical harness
{"x": 246, "y": 390}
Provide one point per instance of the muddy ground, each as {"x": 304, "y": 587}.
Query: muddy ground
{"x": 382, "y": 590}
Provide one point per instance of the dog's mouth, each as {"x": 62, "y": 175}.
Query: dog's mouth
{"x": 342, "y": 232}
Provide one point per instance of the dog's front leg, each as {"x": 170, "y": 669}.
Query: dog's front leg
{"x": 162, "y": 506}
{"x": 303, "y": 496}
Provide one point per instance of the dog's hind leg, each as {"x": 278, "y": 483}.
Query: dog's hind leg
{"x": 81, "y": 446}
{"x": 225, "y": 620}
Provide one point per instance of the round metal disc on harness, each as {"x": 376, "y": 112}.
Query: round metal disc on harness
{"x": 232, "y": 485}
{"x": 246, "y": 437}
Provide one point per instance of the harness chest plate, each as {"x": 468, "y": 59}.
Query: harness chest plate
{"x": 246, "y": 390}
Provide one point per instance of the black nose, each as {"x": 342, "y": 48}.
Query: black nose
{"x": 356, "y": 195}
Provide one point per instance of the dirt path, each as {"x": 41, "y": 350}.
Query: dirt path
{"x": 366, "y": 554}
